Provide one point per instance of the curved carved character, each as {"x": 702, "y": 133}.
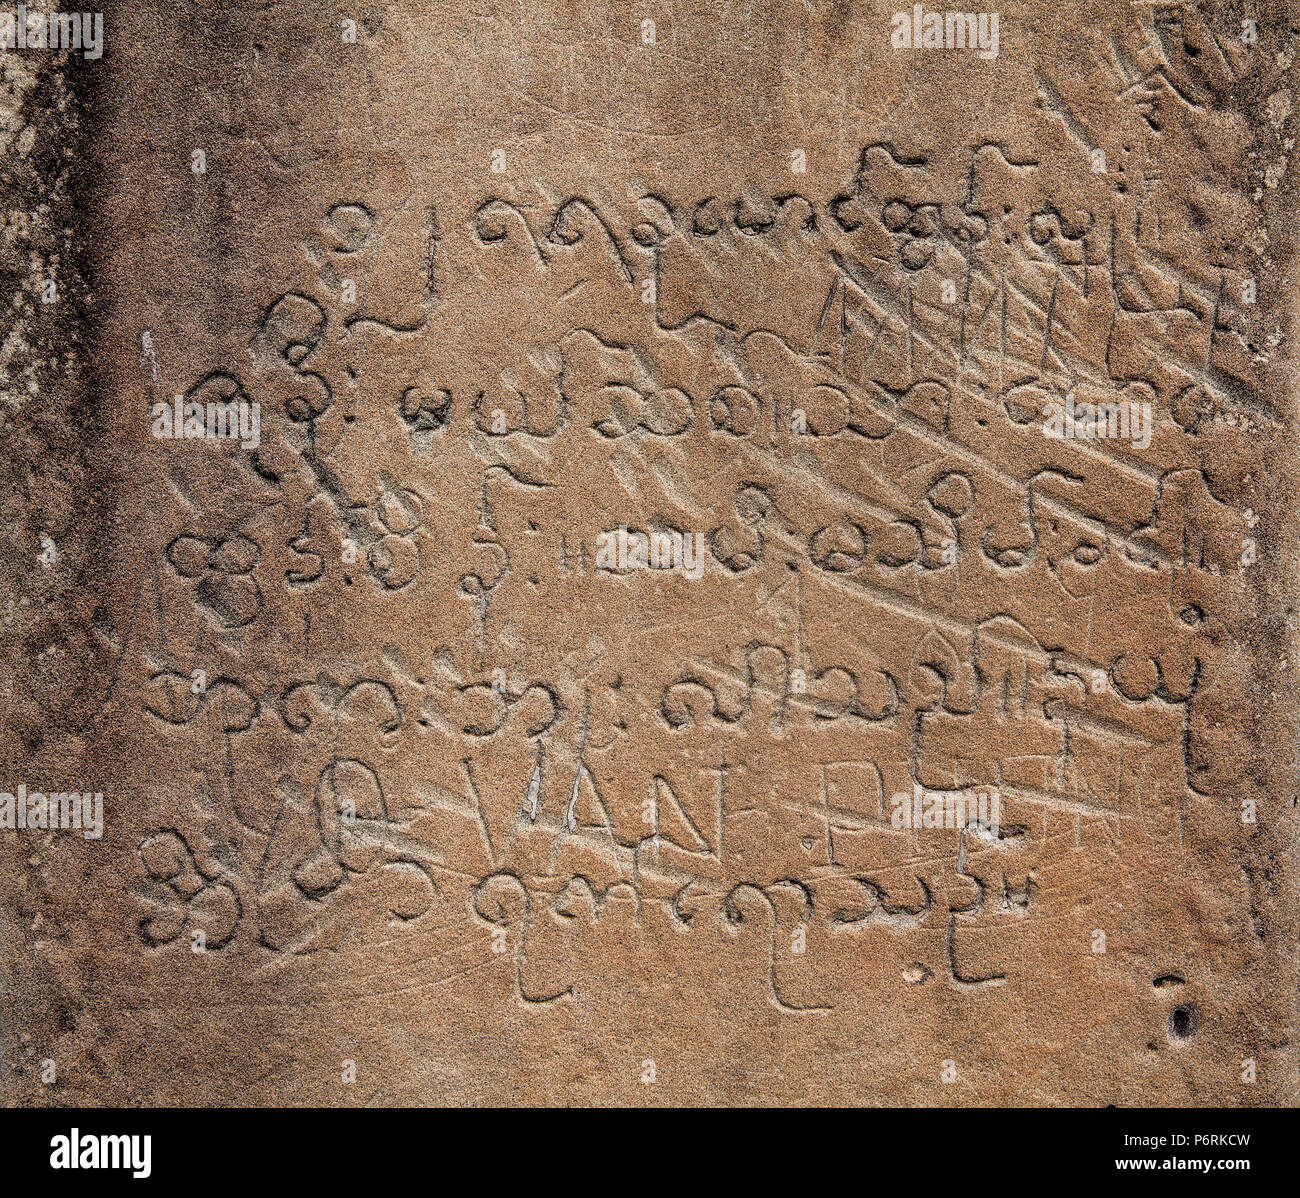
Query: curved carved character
{"x": 224, "y": 567}
{"x": 325, "y": 857}
{"x": 187, "y": 896}
{"x": 735, "y": 916}
{"x": 501, "y": 900}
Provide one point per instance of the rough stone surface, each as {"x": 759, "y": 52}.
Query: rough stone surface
{"x": 458, "y": 809}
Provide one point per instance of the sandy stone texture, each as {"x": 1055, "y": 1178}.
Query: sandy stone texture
{"x": 665, "y": 435}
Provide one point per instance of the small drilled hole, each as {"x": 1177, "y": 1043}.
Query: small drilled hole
{"x": 1182, "y": 1022}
